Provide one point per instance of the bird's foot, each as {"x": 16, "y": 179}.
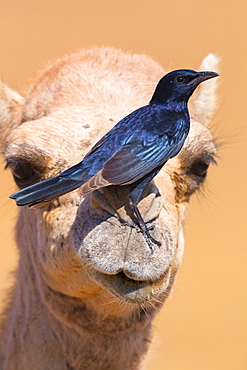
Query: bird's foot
{"x": 149, "y": 238}
{"x": 144, "y": 229}
{"x": 132, "y": 224}
{"x": 136, "y": 226}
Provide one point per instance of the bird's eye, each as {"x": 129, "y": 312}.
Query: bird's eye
{"x": 180, "y": 79}
{"x": 25, "y": 174}
{"x": 199, "y": 168}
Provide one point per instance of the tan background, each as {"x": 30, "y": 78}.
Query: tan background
{"x": 204, "y": 324}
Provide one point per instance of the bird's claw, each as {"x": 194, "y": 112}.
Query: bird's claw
{"x": 132, "y": 224}
{"x": 145, "y": 231}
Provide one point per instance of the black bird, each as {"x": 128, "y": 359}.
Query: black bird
{"x": 133, "y": 151}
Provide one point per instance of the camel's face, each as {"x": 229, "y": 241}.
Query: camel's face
{"x": 82, "y": 246}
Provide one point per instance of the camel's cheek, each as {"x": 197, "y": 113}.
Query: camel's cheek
{"x": 56, "y": 262}
{"x": 177, "y": 211}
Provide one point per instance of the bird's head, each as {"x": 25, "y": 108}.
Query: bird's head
{"x": 179, "y": 85}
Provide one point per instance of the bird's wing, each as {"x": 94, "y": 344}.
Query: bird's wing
{"x": 136, "y": 158}
{"x": 141, "y": 155}
{"x": 132, "y": 162}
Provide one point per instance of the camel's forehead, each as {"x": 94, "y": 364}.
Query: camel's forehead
{"x": 99, "y": 78}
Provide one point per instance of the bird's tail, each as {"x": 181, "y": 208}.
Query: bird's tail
{"x": 52, "y": 188}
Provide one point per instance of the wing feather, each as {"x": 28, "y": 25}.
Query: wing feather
{"x": 131, "y": 163}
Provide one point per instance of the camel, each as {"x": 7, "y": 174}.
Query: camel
{"x": 87, "y": 286}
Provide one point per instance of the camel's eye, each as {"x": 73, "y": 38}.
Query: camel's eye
{"x": 24, "y": 173}
{"x": 199, "y": 168}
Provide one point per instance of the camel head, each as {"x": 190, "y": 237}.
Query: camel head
{"x": 77, "y": 247}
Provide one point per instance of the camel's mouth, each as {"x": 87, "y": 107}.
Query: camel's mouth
{"x": 131, "y": 290}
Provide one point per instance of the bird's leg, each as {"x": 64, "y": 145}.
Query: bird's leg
{"x": 134, "y": 198}
{"x": 144, "y": 228}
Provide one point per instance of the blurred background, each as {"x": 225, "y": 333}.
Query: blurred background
{"x": 204, "y": 324}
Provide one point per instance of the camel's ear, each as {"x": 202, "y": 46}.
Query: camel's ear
{"x": 204, "y": 102}
{"x": 11, "y": 104}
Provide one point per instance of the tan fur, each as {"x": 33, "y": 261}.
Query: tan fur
{"x": 87, "y": 287}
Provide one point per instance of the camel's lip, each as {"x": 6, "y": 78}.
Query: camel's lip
{"x": 131, "y": 290}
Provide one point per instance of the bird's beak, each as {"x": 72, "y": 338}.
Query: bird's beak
{"x": 202, "y": 76}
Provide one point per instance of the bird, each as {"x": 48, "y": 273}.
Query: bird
{"x": 132, "y": 152}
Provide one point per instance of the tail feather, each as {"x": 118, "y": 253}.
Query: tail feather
{"x": 45, "y": 191}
